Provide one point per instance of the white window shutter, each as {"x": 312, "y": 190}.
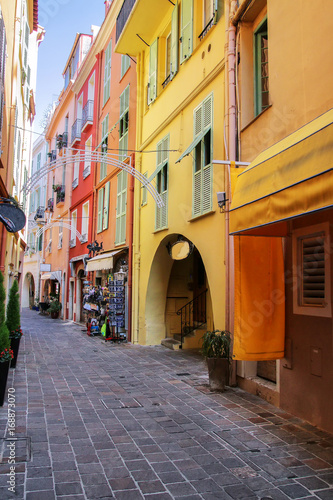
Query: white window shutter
{"x": 152, "y": 83}
{"x": 207, "y": 188}
{"x": 100, "y": 210}
{"x": 107, "y": 72}
{"x": 174, "y": 42}
{"x": 186, "y": 46}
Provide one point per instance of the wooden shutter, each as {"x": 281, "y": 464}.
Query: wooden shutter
{"x": 123, "y": 136}
{"x": 174, "y": 42}
{"x": 107, "y": 73}
{"x": 186, "y": 36}
{"x": 106, "y": 206}
{"x": 152, "y": 83}
{"x": 100, "y": 210}
{"x": 162, "y": 158}
{"x": 105, "y": 130}
{"x": 121, "y": 207}
{"x": 313, "y": 270}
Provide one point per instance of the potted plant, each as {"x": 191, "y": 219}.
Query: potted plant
{"x": 54, "y": 308}
{"x": 6, "y": 354}
{"x": 216, "y": 349}
{"x": 13, "y": 320}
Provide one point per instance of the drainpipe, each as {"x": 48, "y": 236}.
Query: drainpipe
{"x": 130, "y": 249}
{"x": 232, "y": 127}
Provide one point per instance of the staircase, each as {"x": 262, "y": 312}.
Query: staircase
{"x": 193, "y": 321}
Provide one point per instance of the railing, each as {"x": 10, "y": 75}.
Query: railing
{"x": 123, "y": 15}
{"x": 76, "y": 131}
{"x": 87, "y": 114}
{"x": 39, "y": 213}
{"x": 192, "y": 315}
{"x": 75, "y": 183}
{"x": 86, "y": 172}
{"x": 50, "y": 204}
{"x": 207, "y": 28}
{"x": 62, "y": 140}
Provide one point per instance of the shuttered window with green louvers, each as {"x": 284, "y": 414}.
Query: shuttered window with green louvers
{"x": 152, "y": 81}
{"x": 203, "y": 169}
{"x": 121, "y": 208}
{"x": 162, "y": 182}
{"x": 123, "y": 123}
{"x": 186, "y": 30}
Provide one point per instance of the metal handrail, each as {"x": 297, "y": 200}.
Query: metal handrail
{"x": 195, "y": 308}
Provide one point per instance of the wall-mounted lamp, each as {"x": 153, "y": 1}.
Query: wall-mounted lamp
{"x": 221, "y": 200}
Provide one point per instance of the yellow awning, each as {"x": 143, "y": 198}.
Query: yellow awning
{"x": 102, "y": 262}
{"x": 291, "y": 178}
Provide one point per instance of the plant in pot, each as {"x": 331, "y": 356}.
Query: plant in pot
{"x": 216, "y": 349}
{"x": 54, "y": 308}
{"x": 6, "y": 354}
{"x": 13, "y": 320}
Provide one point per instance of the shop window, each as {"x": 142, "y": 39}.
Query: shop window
{"x": 311, "y": 271}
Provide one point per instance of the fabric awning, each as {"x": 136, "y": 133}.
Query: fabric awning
{"x": 55, "y": 275}
{"x": 292, "y": 178}
{"x": 191, "y": 146}
{"x": 102, "y": 262}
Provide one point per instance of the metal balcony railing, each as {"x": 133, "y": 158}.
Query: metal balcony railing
{"x": 39, "y": 213}
{"x": 50, "y": 204}
{"x": 87, "y": 114}
{"x": 86, "y": 172}
{"x": 60, "y": 195}
{"x": 193, "y": 315}
{"x": 76, "y": 131}
{"x": 123, "y": 15}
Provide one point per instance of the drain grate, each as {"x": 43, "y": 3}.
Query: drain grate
{"x": 119, "y": 404}
{"x": 17, "y": 449}
{"x": 185, "y": 374}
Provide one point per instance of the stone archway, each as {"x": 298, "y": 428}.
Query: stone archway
{"x": 28, "y": 291}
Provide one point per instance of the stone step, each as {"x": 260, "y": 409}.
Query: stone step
{"x": 198, "y": 330}
{"x": 170, "y": 343}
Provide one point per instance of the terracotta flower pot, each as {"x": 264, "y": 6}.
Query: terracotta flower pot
{"x": 4, "y": 369}
{"x": 218, "y": 372}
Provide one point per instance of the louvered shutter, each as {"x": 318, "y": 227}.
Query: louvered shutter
{"x": 152, "y": 83}
{"x": 207, "y": 175}
{"x": 100, "y": 210}
{"x": 2, "y": 75}
{"x": 197, "y": 173}
{"x": 105, "y": 130}
{"x": 186, "y": 46}
{"x": 107, "y": 73}
{"x": 121, "y": 207}
{"x": 123, "y": 137}
{"x": 313, "y": 271}
{"x": 106, "y": 206}
{"x": 174, "y": 42}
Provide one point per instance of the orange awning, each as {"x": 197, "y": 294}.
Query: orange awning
{"x": 292, "y": 178}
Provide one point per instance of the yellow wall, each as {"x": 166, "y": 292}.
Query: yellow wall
{"x": 172, "y": 113}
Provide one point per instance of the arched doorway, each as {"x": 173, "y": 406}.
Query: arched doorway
{"x": 172, "y": 285}
{"x": 28, "y": 291}
{"x": 80, "y": 313}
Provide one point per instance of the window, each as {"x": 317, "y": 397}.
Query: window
{"x": 85, "y": 222}
{"x": 261, "y": 68}
{"x": 75, "y": 182}
{"x": 186, "y": 28}
{"x": 123, "y": 124}
{"x": 104, "y": 146}
{"x": 103, "y": 208}
{"x": 72, "y": 242}
{"x": 167, "y": 56}
{"x": 311, "y": 271}
{"x": 203, "y": 171}
{"x": 60, "y": 235}
{"x": 144, "y": 192}
{"x": 39, "y": 159}
{"x": 125, "y": 64}
{"x": 87, "y": 163}
{"x": 107, "y": 73}
{"x": 152, "y": 82}
{"x": 162, "y": 180}
{"x": 121, "y": 207}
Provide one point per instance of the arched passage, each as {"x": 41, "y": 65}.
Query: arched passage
{"x": 28, "y": 291}
{"x": 172, "y": 284}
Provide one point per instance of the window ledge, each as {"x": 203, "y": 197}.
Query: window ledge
{"x": 193, "y": 219}
{"x": 256, "y": 118}
{"x": 159, "y": 230}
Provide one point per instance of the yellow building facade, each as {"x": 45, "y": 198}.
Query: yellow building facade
{"x": 179, "y": 50}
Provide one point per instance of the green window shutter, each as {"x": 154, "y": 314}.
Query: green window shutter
{"x": 121, "y": 207}
{"x": 100, "y": 210}
{"x": 106, "y": 206}
{"x": 123, "y": 127}
{"x": 125, "y": 64}
{"x": 261, "y": 76}
{"x": 107, "y": 72}
{"x": 152, "y": 83}
{"x": 174, "y": 42}
{"x": 196, "y": 202}
{"x": 105, "y": 131}
{"x": 162, "y": 173}
{"x": 186, "y": 35}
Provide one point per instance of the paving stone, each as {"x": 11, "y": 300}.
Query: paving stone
{"x": 313, "y": 483}
{"x": 295, "y": 491}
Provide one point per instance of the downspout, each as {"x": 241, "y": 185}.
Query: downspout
{"x": 232, "y": 122}
{"x": 130, "y": 250}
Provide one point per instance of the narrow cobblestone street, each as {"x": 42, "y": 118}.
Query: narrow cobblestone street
{"x": 96, "y": 420}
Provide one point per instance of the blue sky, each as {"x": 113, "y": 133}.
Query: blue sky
{"x": 62, "y": 19}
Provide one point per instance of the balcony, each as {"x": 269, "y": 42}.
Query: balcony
{"x": 75, "y": 183}
{"x": 87, "y": 115}
{"x": 62, "y": 142}
{"x": 72, "y": 243}
{"x": 86, "y": 172}
{"x": 140, "y": 19}
{"x": 39, "y": 213}
{"x": 60, "y": 196}
{"x": 76, "y": 131}
{"x": 52, "y": 155}
{"x": 50, "y": 204}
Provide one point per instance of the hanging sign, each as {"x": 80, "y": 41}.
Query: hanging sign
{"x": 12, "y": 217}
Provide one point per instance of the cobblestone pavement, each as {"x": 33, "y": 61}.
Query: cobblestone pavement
{"x": 95, "y": 420}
